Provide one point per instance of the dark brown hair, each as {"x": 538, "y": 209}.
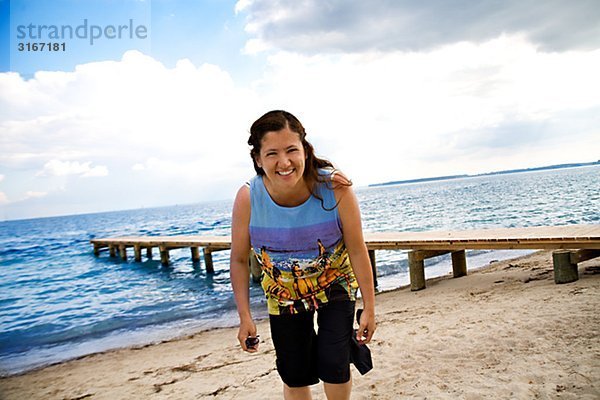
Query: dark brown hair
{"x": 277, "y": 120}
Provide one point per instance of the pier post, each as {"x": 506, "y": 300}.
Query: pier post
{"x": 137, "y": 251}
{"x": 208, "y": 261}
{"x": 195, "y": 254}
{"x": 373, "y": 266}
{"x": 164, "y": 255}
{"x": 255, "y": 269}
{"x": 96, "y": 250}
{"x": 565, "y": 270}
{"x": 112, "y": 250}
{"x": 416, "y": 267}
{"x": 149, "y": 252}
{"x": 123, "y": 252}
{"x": 459, "y": 263}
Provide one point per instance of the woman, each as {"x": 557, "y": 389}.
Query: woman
{"x": 303, "y": 222}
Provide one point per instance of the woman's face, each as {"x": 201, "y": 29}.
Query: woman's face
{"x": 282, "y": 157}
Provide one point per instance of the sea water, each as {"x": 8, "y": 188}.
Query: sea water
{"x": 58, "y": 301}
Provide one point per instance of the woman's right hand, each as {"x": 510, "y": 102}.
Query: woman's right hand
{"x": 247, "y": 329}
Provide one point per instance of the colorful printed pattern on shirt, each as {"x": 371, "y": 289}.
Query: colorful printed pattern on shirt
{"x": 294, "y": 285}
{"x": 301, "y": 251}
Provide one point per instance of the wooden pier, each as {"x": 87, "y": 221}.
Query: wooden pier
{"x": 208, "y": 244}
{"x": 572, "y": 244}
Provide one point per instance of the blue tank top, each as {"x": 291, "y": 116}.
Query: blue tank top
{"x": 300, "y": 249}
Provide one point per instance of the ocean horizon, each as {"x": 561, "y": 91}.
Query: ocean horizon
{"x": 370, "y": 185}
{"x": 58, "y": 301}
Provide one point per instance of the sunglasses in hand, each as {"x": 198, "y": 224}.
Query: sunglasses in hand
{"x": 252, "y": 341}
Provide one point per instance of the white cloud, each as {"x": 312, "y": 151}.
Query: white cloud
{"x": 34, "y": 195}
{"x": 241, "y": 5}
{"x": 115, "y": 116}
{"x": 3, "y": 198}
{"x": 64, "y": 168}
{"x": 255, "y": 46}
{"x": 1, "y": 177}
{"x": 117, "y": 109}
{"x": 99, "y": 170}
{"x": 193, "y": 171}
{"x": 121, "y": 110}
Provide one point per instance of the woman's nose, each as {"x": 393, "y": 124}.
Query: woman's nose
{"x": 284, "y": 161}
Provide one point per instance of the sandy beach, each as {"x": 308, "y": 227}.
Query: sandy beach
{"x": 503, "y": 332}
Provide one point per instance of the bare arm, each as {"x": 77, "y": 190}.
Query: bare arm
{"x": 359, "y": 258}
{"x": 238, "y": 269}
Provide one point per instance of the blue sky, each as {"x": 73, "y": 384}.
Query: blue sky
{"x": 201, "y": 31}
{"x": 387, "y": 90}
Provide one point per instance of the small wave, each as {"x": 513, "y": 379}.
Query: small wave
{"x": 5, "y": 302}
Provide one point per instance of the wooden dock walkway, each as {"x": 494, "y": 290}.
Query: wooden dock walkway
{"x": 573, "y": 244}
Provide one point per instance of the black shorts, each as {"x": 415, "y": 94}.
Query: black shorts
{"x": 303, "y": 356}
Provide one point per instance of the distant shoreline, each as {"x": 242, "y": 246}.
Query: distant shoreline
{"x": 510, "y": 171}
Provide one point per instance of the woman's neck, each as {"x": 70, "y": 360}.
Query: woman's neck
{"x": 289, "y": 197}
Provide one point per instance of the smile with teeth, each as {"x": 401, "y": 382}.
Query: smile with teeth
{"x": 286, "y": 173}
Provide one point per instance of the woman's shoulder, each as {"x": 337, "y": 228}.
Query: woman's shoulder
{"x": 243, "y": 193}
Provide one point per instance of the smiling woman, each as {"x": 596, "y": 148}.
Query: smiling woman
{"x": 279, "y": 132}
{"x": 282, "y": 159}
{"x": 303, "y": 225}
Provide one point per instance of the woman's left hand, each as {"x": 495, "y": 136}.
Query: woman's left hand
{"x": 366, "y": 327}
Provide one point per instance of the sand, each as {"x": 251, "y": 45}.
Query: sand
{"x": 502, "y": 332}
